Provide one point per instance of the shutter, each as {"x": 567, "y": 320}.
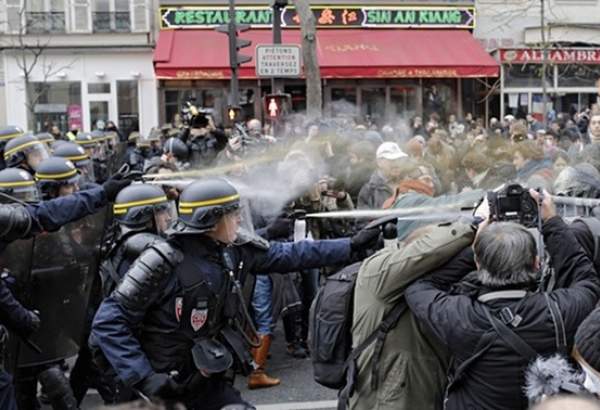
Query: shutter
{"x": 57, "y": 6}
{"x": 81, "y": 16}
{"x": 139, "y": 15}
{"x": 14, "y": 17}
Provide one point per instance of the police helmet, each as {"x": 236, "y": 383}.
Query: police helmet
{"x": 18, "y": 184}
{"x": 86, "y": 140}
{"x": 177, "y": 148}
{"x": 25, "y": 148}
{"x": 55, "y": 172}
{"x": 203, "y": 203}
{"x": 8, "y": 133}
{"x": 154, "y": 135}
{"x": 45, "y": 138}
{"x": 138, "y": 206}
{"x": 134, "y": 136}
{"x": 77, "y": 155}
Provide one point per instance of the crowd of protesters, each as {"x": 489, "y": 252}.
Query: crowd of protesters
{"x": 483, "y": 329}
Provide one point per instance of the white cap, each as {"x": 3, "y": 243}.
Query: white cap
{"x": 390, "y": 150}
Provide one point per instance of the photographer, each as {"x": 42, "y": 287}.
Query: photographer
{"x": 203, "y": 138}
{"x": 493, "y": 321}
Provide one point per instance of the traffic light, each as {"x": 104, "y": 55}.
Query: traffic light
{"x": 235, "y": 43}
{"x": 234, "y": 113}
{"x": 276, "y": 105}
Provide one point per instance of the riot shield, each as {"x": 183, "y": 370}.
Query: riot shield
{"x": 15, "y": 264}
{"x": 64, "y": 265}
{"x": 117, "y": 157}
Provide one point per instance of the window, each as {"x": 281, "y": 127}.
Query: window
{"x": 99, "y": 88}
{"x": 128, "y": 106}
{"x": 140, "y": 11}
{"x": 13, "y": 16}
{"x": 80, "y": 16}
{"x": 526, "y": 75}
{"x": 343, "y": 101}
{"x": 111, "y": 16}
{"x": 55, "y": 103}
{"x": 45, "y": 16}
{"x": 578, "y": 75}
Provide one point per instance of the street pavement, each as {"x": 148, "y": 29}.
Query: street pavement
{"x": 297, "y": 391}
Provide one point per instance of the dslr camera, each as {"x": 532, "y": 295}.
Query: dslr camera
{"x": 513, "y": 204}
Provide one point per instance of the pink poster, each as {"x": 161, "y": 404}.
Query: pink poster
{"x": 74, "y": 114}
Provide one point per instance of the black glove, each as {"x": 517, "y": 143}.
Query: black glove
{"x": 113, "y": 185}
{"x": 365, "y": 239}
{"x": 34, "y": 321}
{"x": 280, "y": 228}
{"x": 159, "y": 385}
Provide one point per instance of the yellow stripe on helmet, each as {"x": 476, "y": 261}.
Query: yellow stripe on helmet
{"x": 18, "y": 148}
{"x": 208, "y": 202}
{"x": 122, "y": 208}
{"x": 10, "y": 136}
{"x": 16, "y": 184}
{"x": 56, "y": 176}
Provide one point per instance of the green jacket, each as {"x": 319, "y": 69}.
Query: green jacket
{"x": 412, "y": 369}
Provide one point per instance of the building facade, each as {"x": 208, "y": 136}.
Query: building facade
{"x": 511, "y": 31}
{"x": 380, "y": 61}
{"x": 78, "y": 64}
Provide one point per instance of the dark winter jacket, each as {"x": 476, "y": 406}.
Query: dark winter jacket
{"x": 374, "y": 193}
{"x": 495, "y": 380}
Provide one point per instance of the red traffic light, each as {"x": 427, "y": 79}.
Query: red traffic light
{"x": 276, "y": 105}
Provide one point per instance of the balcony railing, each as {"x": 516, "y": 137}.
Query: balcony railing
{"x": 45, "y": 22}
{"x": 107, "y": 22}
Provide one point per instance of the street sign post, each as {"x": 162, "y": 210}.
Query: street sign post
{"x": 278, "y": 60}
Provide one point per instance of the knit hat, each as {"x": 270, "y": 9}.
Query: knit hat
{"x": 587, "y": 341}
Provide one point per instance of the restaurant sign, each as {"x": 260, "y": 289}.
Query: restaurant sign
{"x": 326, "y": 16}
{"x": 555, "y": 56}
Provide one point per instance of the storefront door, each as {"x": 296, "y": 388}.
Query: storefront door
{"x": 98, "y": 111}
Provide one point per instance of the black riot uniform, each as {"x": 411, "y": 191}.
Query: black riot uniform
{"x": 6, "y": 134}
{"x": 174, "y": 327}
{"x": 142, "y": 212}
{"x": 24, "y": 220}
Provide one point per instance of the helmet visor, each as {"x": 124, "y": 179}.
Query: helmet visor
{"x": 26, "y": 193}
{"x": 86, "y": 169}
{"x": 35, "y": 154}
{"x": 164, "y": 215}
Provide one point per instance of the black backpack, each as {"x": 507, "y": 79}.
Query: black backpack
{"x": 330, "y": 333}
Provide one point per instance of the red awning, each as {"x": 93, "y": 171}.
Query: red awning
{"x": 347, "y": 53}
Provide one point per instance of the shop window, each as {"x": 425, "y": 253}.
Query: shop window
{"x": 516, "y": 104}
{"x": 578, "y": 75}
{"x": 343, "y": 101}
{"x": 98, "y": 88}
{"x": 403, "y": 100}
{"x": 438, "y": 97}
{"x": 527, "y": 75}
{"x": 372, "y": 106}
{"x": 128, "y": 106}
{"x": 54, "y": 103}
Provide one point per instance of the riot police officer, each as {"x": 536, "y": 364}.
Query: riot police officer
{"x": 184, "y": 297}
{"x": 25, "y": 152}
{"x": 6, "y": 134}
{"x": 77, "y": 155}
{"x": 142, "y": 213}
{"x": 26, "y": 219}
{"x": 56, "y": 177}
